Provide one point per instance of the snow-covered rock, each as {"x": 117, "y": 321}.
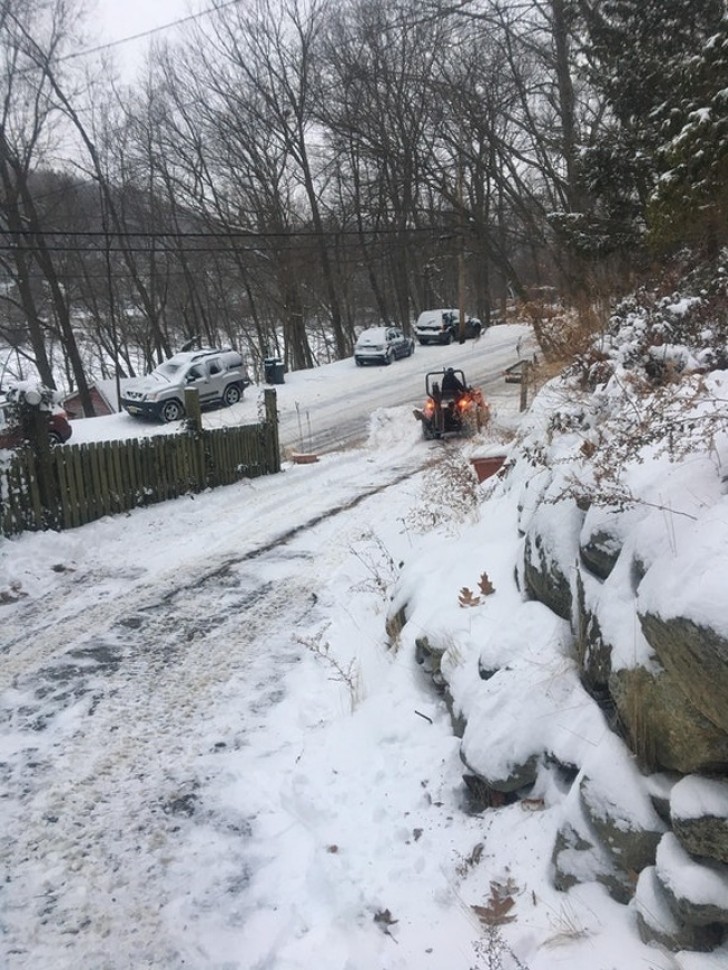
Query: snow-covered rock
{"x": 699, "y": 816}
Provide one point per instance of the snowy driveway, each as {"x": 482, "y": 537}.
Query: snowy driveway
{"x": 166, "y": 802}
{"x": 183, "y": 782}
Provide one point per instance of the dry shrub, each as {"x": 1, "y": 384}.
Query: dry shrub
{"x": 565, "y": 336}
{"x": 450, "y": 494}
{"x": 563, "y": 332}
{"x": 567, "y": 928}
{"x": 348, "y": 675}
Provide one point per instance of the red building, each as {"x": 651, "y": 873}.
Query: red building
{"x": 103, "y": 395}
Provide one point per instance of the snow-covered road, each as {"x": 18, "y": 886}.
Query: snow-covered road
{"x": 331, "y": 421}
{"x": 328, "y": 408}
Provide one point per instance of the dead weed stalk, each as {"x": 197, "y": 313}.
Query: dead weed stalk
{"x": 348, "y": 675}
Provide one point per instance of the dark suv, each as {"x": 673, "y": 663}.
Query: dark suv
{"x": 443, "y": 326}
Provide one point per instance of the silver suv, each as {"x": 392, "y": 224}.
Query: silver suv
{"x": 219, "y": 376}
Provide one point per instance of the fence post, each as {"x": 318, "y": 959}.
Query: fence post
{"x": 271, "y": 420}
{"x": 525, "y": 374}
{"x": 193, "y": 426}
{"x": 35, "y": 421}
{"x": 192, "y": 409}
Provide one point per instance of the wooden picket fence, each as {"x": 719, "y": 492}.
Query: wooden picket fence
{"x": 75, "y": 484}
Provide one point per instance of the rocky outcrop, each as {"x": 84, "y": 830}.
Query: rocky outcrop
{"x": 705, "y": 838}
{"x": 659, "y": 787}
{"x": 520, "y": 775}
{"x": 664, "y": 730}
{"x": 699, "y": 817}
{"x": 429, "y": 656}
{"x": 670, "y": 708}
{"x": 651, "y": 824}
{"x": 632, "y": 845}
{"x": 657, "y": 923}
{"x": 600, "y": 552}
{"x": 593, "y": 653}
{"x": 603, "y": 536}
{"x": 544, "y": 579}
{"x": 697, "y": 892}
{"x": 697, "y": 656}
{"x": 580, "y": 856}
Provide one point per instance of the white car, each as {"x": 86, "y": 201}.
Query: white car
{"x": 382, "y": 344}
{"x": 218, "y": 376}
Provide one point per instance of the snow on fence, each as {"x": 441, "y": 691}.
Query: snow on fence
{"x": 74, "y": 484}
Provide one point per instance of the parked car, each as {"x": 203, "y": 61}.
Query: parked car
{"x": 11, "y": 432}
{"x": 443, "y": 326}
{"x": 219, "y": 377}
{"x": 382, "y": 344}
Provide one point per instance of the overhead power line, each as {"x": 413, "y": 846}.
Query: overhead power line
{"x": 146, "y": 33}
{"x": 249, "y": 234}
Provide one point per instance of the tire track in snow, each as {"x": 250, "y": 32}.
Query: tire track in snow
{"x": 117, "y": 754}
{"x": 31, "y": 638}
{"x": 115, "y": 731}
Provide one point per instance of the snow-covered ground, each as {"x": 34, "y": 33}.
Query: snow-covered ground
{"x": 214, "y": 757}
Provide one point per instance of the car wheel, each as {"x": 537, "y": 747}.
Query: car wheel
{"x": 172, "y": 411}
{"x": 423, "y": 343}
{"x": 388, "y": 358}
{"x": 54, "y": 439}
{"x": 411, "y": 349}
{"x": 448, "y": 338}
{"x": 231, "y": 395}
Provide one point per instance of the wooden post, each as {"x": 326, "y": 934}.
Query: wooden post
{"x": 35, "y": 421}
{"x": 271, "y": 421}
{"x": 461, "y": 253}
{"x": 193, "y": 425}
{"x": 525, "y": 371}
{"x": 192, "y": 409}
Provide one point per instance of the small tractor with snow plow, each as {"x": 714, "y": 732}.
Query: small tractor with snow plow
{"x": 451, "y": 406}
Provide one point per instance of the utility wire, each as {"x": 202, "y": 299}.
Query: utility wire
{"x": 226, "y": 234}
{"x": 257, "y": 238}
{"x": 146, "y": 33}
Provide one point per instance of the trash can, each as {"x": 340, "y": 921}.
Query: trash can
{"x": 274, "y": 370}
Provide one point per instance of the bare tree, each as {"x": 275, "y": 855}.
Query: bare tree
{"x": 266, "y": 71}
{"x": 33, "y": 36}
{"x": 383, "y": 118}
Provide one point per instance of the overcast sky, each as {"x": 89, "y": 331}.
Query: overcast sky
{"x": 114, "y": 21}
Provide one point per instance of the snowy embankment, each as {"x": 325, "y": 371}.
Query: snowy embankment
{"x": 589, "y": 676}
{"x": 215, "y": 756}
